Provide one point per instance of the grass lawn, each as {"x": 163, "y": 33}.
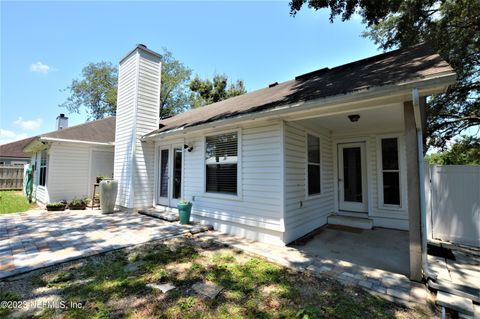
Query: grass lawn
{"x": 252, "y": 288}
{"x": 13, "y": 202}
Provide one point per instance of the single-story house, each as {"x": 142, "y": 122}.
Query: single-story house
{"x": 67, "y": 161}
{"x": 12, "y": 153}
{"x": 338, "y": 145}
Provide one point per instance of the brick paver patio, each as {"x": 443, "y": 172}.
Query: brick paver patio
{"x": 38, "y": 239}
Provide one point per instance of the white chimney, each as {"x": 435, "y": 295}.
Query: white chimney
{"x": 138, "y": 102}
{"x": 62, "y": 122}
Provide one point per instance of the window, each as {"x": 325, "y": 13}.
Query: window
{"x": 221, "y": 157}
{"x": 43, "y": 168}
{"x": 390, "y": 172}
{"x": 313, "y": 165}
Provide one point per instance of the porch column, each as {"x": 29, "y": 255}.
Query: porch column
{"x": 414, "y": 216}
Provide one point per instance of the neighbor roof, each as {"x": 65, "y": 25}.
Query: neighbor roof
{"x": 99, "y": 131}
{"x": 415, "y": 62}
{"x": 15, "y": 149}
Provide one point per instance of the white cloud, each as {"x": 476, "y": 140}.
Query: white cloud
{"x": 39, "y": 67}
{"x": 28, "y": 125}
{"x": 7, "y": 136}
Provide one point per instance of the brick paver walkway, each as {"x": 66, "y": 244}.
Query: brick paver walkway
{"x": 38, "y": 239}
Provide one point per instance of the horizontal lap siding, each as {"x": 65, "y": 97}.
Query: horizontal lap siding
{"x": 147, "y": 110}
{"x": 260, "y": 203}
{"x": 69, "y": 171}
{"x": 304, "y": 214}
{"x": 124, "y": 130}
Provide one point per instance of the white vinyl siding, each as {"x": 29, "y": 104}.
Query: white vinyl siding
{"x": 71, "y": 167}
{"x": 137, "y": 114}
{"x": 257, "y": 214}
{"x": 304, "y": 214}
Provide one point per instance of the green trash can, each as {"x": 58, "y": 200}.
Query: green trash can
{"x": 184, "y": 210}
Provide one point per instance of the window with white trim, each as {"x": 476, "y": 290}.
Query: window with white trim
{"x": 390, "y": 172}
{"x": 313, "y": 165}
{"x": 221, "y": 161}
{"x": 43, "y": 168}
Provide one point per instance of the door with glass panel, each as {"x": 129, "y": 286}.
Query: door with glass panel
{"x": 170, "y": 175}
{"x": 352, "y": 177}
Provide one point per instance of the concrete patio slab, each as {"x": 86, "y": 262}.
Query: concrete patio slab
{"x": 381, "y": 248}
{"x": 38, "y": 239}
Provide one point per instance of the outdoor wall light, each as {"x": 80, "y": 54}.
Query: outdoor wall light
{"x": 354, "y": 117}
{"x": 188, "y": 148}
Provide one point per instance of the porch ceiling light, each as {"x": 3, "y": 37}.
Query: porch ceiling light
{"x": 354, "y": 117}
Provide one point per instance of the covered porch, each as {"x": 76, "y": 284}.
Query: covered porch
{"x": 366, "y": 207}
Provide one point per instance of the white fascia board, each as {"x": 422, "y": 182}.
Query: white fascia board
{"x": 54, "y": 139}
{"x": 426, "y": 86}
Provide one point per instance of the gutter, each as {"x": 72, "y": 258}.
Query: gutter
{"x": 54, "y": 139}
{"x": 421, "y": 177}
{"x": 401, "y": 89}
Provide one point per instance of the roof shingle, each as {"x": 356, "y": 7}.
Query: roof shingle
{"x": 389, "y": 68}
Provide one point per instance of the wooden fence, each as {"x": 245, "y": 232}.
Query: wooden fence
{"x": 11, "y": 177}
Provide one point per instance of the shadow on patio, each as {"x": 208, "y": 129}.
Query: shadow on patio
{"x": 380, "y": 248}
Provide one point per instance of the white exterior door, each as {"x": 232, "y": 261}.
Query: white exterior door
{"x": 170, "y": 175}
{"x": 352, "y": 177}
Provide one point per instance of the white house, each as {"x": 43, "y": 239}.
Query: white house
{"x": 67, "y": 161}
{"x": 340, "y": 145}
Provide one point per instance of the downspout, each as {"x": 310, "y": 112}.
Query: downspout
{"x": 421, "y": 177}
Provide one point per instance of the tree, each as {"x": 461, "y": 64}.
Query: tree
{"x": 96, "y": 91}
{"x": 208, "y": 91}
{"x": 465, "y": 151}
{"x": 452, "y": 27}
{"x": 174, "y": 91}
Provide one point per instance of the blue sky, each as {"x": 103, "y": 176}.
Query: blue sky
{"x": 44, "y": 45}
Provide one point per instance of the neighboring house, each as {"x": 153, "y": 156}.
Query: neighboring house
{"x": 12, "y": 153}
{"x": 67, "y": 161}
{"x": 337, "y": 145}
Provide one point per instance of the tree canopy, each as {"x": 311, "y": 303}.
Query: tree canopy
{"x": 452, "y": 27}
{"x": 96, "y": 90}
{"x": 465, "y": 151}
{"x": 206, "y": 91}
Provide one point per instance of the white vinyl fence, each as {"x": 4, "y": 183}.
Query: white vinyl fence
{"x": 453, "y": 203}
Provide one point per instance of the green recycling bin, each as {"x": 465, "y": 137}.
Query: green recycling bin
{"x": 184, "y": 210}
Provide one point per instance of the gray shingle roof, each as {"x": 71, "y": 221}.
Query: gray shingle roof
{"x": 416, "y": 62}
{"x": 15, "y": 149}
{"x": 99, "y": 131}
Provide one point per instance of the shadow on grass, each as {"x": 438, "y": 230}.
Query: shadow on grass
{"x": 252, "y": 287}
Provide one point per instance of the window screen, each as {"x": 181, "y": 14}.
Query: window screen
{"x": 313, "y": 151}
{"x": 43, "y": 168}
{"x": 221, "y": 158}
{"x": 390, "y": 172}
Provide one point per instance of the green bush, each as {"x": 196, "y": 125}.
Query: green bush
{"x": 79, "y": 201}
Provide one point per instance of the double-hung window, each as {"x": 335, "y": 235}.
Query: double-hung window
{"x": 43, "y": 168}
{"x": 221, "y": 163}
{"x": 390, "y": 172}
{"x": 313, "y": 164}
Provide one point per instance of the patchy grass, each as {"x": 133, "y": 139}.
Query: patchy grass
{"x": 252, "y": 288}
{"x": 13, "y": 202}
